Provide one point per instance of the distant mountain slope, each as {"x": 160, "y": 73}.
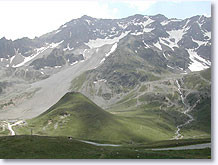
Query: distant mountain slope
{"x": 170, "y": 94}
{"x": 105, "y": 59}
{"x": 185, "y": 98}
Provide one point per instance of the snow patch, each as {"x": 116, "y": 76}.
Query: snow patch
{"x": 165, "y": 22}
{"x": 164, "y": 55}
{"x": 145, "y": 30}
{"x": 168, "y": 21}
{"x": 146, "y": 23}
{"x": 169, "y": 44}
{"x": 157, "y": 45}
{"x": 101, "y": 80}
{"x": 176, "y": 34}
{"x": 122, "y": 25}
{"x": 57, "y": 31}
{"x": 208, "y": 34}
{"x": 146, "y": 45}
{"x": 102, "y": 60}
{"x": 53, "y": 45}
{"x": 198, "y": 42}
{"x": 113, "y": 48}
{"x": 64, "y": 26}
{"x": 88, "y": 21}
{"x": 58, "y": 66}
{"x": 198, "y": 63}
{"x": 38, "y": 51}
{"x": 170, "y": 67}
{"x": 68, "y": 48}
{"x": 100, "y": 42}
{"x": 74, "y": 63}
{"x": 11, "y": 59}
{"x": 136, "y": 33}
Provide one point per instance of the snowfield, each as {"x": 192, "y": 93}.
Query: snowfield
{"x": 100, "y": 42}
{"x": 38, "y": 51}
{"x": 198, "y": 63}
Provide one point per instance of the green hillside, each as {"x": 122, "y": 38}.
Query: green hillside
{"x": 75, "y": 115}
{"x": 158, "y": 100}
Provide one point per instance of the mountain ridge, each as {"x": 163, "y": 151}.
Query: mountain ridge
{"x": 118, "y": 55}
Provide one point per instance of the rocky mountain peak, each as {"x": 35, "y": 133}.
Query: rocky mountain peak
{"x": 157, "y": 32}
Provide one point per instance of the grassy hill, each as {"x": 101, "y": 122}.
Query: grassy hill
{"x": 77, "y": 116}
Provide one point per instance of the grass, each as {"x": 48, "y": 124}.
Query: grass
{"x": 153, "y": 115}
{"x": 127, "y": 121}
{"x": 200, "y": 84}
{"x": 45, "y": 147}
{"x": 143, "y": 88}
{"x": 206, "y": 74}
{"x": 75, "y": 115}
{"x": 125, "y": 105}
{"x": 201, "y": 126}
{"x": 5, "y": 132}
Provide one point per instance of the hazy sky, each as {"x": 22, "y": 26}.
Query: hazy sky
{"x": 34, "y": 18}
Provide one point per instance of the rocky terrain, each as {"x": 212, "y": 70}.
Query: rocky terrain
{"x": 148, "y": 67}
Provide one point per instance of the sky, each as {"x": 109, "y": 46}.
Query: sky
{"x": 35, "y": 18}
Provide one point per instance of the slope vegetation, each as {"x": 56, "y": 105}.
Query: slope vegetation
{"x": 170, "y": 98}
{"x": 75, "y": 115}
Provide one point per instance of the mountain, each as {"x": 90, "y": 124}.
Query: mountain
{"x": 192, "y": 36}
{"x": 149, "y": 113}
{"x": 147, "y": 72}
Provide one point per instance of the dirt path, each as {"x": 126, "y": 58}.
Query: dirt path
{"x": 98, "y": 144}
{"x": 189, "y": 147}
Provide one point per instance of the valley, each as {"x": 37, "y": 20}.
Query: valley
{"x": 111, "y": 86}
